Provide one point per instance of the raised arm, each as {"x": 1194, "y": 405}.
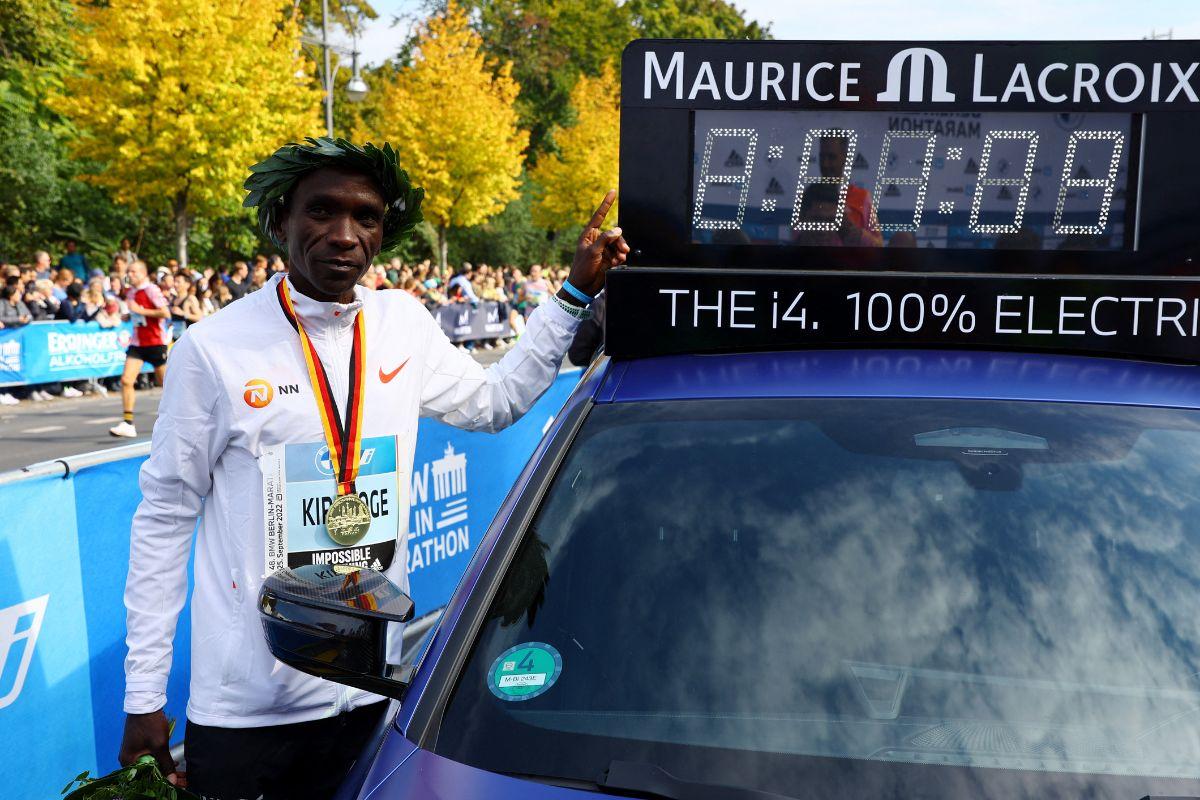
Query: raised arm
{"x": 459, "y": 391}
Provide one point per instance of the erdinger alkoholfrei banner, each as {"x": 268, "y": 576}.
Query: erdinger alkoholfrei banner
{"x": 1065, "y": 168}
{"x": 45, "y": 352}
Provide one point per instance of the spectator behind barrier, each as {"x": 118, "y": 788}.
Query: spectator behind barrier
{"x": 38, "y": 291}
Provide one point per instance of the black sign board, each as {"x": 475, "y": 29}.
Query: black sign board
{"x": 910, "y": 174}
{"x": 1084, "y": 156}
{"x": 686, "y": 312}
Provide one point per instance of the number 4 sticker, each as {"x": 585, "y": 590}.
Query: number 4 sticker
{"x": 525, "y": 671}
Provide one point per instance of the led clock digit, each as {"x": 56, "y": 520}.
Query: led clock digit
{"x": 1034, "y": 181}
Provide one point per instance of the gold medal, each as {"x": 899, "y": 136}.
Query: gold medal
{"x": 347, "y": 520}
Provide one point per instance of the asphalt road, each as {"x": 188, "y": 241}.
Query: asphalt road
{"x": 33, "y": 432}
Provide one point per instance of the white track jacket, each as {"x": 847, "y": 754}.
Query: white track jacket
{"x": 237, "y": 392}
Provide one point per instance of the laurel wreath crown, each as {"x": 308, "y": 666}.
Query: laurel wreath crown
{"x": 271, "y": 182}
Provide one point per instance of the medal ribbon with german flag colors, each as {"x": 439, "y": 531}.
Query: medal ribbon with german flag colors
{"x": 345, "y": 441}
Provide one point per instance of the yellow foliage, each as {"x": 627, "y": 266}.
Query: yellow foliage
{"x": 177, "y": 99}
{"x": 570, "y": 182}
{"x": 451, "y": 116}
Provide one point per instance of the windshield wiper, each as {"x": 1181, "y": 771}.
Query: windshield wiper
{"x": 651, "y": 780}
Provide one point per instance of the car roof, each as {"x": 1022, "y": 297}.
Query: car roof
{"x": 902, "y": 373}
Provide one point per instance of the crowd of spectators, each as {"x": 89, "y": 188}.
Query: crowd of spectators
{"x": 521, "y": 290}
{"x": 74, "y": 290}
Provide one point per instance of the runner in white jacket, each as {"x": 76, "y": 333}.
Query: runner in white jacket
{"x": 237, "y": 423}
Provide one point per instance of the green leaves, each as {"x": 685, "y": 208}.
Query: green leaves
{"x": 140, "y": 781}
{"x": 272, "y": 179}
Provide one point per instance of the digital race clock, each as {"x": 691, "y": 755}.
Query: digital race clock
{"x": 1021, "y": 195}
{"x": 1029, "y": 181}
{"x": 1076, "y": 156}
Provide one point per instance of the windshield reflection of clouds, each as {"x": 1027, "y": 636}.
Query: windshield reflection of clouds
{"x": 797, "y": 597}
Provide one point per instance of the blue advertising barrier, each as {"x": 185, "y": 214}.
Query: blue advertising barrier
{"x": 64, "y": 549}
{"x": 46, "y": 352}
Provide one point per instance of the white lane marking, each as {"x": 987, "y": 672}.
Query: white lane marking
{"x": 100, "y": 421}
{"x": 45, "y": 429}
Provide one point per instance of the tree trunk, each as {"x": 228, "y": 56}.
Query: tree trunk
{"x": 182, "y": 224}
{"x": 443, "y": 246}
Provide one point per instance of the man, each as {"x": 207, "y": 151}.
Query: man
{"x": 258, "y": 279}
{"x": 71, "y": 309}
{"x": 460, "y": 288}
{"x": 257, "y": 728}
{"x": 147, "y": 310}
{"x": 238, "y": 286}
{"x": 74, "y": 261}
{"x": 126, "y": 253}
{"x": 41, "y": 263}
{"x": 120, "y": 267}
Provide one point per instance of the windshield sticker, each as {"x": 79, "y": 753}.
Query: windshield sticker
{"x": 525, "y": 671}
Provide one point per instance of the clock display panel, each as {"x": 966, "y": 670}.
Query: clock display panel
{"x": 970, "y": 180}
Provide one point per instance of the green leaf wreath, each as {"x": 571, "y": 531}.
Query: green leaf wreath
{"x": 272, "y": 180}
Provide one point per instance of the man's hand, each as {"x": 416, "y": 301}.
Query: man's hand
{"x": 148, "y": 734}
{"x": 597, "y": 250}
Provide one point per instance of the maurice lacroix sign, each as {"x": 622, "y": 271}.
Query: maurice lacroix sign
{"x": 958, "y": 75}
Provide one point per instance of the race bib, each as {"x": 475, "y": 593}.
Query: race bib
{"x": 298, "y": 488}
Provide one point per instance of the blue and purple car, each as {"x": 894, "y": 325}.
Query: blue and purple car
{"x": 887, "y": 484}
{"x": 823, "y": 574}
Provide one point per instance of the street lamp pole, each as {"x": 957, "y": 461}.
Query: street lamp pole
{"x": 356, "y": 89}
{"x": 328, "y": 74}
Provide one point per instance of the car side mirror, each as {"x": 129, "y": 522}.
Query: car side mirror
{"x": 331, "y": 621}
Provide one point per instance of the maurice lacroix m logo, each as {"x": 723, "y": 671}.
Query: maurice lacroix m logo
{"x": 916, "y": 58}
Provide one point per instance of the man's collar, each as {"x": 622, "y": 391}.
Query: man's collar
{"x": 317, "y": 314}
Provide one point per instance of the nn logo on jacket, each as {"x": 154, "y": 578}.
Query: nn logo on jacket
{"x": 915, "y": 59}
{"x": 259, "y": 393}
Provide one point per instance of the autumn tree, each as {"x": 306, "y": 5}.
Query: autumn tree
{"x": 175, "y": 100}
{"x": 551, "y": 43}
{"x": 345, "y": 14}
{"x": 39, "y": 199}
{"x": 451, "y": 115}
{"x": 692, "y": 19}
{"x": 569, "y": 182}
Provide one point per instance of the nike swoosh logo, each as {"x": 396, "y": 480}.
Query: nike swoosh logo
{"x": 386, "y": 377}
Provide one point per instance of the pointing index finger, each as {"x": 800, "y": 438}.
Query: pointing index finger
{"x": 602, "y": 210}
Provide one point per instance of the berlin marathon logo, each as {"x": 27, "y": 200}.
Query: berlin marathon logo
{"x": 439, "y": 528}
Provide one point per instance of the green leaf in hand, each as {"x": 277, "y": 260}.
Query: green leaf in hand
{"x": 142, "y": 780}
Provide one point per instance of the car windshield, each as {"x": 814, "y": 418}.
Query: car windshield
{"x": 855, "y": 598}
